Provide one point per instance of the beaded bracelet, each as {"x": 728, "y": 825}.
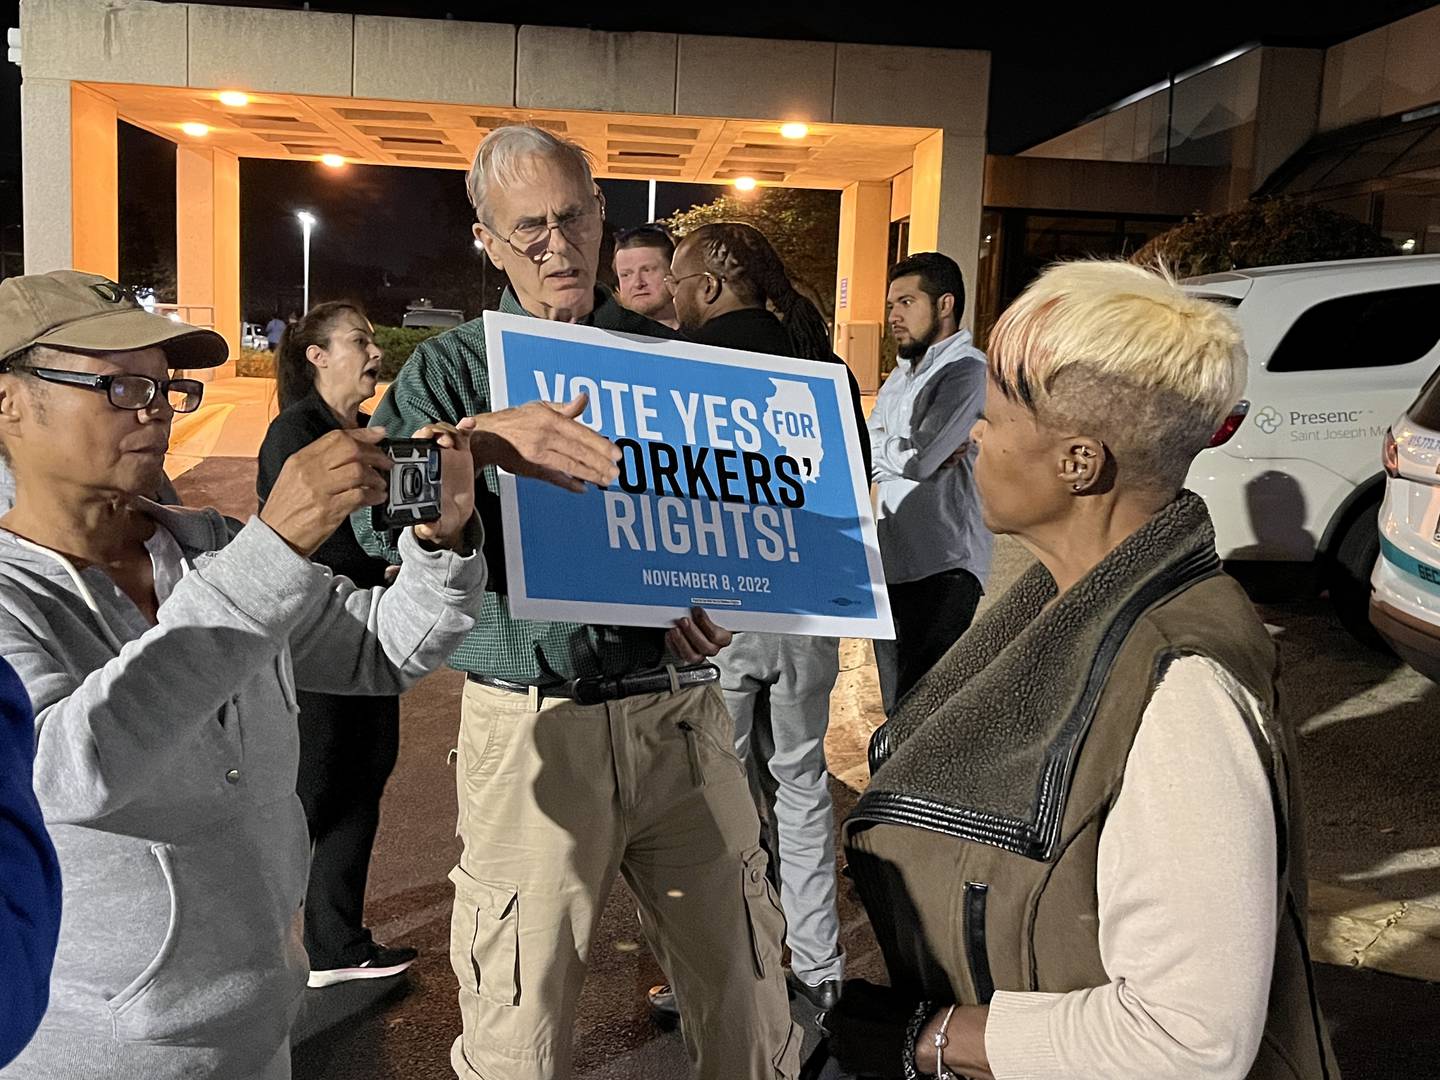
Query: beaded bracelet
{"x": 912, "y": 1035}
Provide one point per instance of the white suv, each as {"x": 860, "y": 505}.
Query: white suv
{"x": 1405, "y": 607}
{"x": 1337, "y": 351}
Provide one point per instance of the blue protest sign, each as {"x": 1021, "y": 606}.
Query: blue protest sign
{"x": 741, "y": 487}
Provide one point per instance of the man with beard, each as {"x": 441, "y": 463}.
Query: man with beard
{"x": 642, "y": 259}
{"x": 934, "y": 543}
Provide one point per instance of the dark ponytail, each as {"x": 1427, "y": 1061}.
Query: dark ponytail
{"x": 294, "y": 374}
{"x": 742, "y": 255}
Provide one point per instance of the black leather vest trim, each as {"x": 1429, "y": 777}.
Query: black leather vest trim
{"x": 1036, "y": 839}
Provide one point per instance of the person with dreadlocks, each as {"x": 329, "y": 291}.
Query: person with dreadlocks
{"x": 725, "y": 278}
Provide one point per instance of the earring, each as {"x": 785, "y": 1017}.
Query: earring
{"x": 1076, "y": 487}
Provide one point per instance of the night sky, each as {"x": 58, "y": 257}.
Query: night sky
{"x": 1051, "y": 67}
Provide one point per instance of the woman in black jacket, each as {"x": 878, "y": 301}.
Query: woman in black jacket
{"x": 327, "y": 364}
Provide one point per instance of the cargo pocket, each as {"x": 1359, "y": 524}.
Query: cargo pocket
{"x": 485, "y": 938}
{"x": 976, "y": 948}
{"x": 767, "y": 922}
{"x": 787, "y": 1061}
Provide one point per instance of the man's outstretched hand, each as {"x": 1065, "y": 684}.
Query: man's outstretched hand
{"x": 547, "y": 442}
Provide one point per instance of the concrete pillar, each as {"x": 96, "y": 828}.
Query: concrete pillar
{"x": 68, "y": 145}
{"x": 860, "y": 279}
{"x": 946, "y": 196}
{"x": 207, "y": 242}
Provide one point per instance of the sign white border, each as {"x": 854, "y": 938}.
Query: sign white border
{"x": 524, "y": 606}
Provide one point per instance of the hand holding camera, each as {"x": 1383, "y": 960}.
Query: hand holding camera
{"x": 321, "y": 485}
{"x": 545, "y": 441}
{"x": 456, "y": 494}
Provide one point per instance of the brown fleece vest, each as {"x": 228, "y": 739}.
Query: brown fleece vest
{"x": 975, "y": 849}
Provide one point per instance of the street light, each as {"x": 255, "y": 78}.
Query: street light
{"x": 307, "y": 222}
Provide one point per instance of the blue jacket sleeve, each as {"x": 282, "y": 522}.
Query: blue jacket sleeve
{"x": 29, "y": 878}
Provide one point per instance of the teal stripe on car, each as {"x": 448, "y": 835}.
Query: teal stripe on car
{"x": 1428, "y": 576}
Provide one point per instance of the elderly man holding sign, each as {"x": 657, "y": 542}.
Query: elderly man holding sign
{"x": 587, "y": 749}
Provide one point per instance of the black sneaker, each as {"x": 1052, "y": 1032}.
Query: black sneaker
{"x": 382, "y": 963}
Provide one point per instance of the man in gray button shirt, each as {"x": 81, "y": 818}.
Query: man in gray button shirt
{"x": 934, "y": 543}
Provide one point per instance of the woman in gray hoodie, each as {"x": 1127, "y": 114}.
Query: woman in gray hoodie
{"x": 162, "y": 649}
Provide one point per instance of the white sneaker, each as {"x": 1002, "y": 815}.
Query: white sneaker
{"x": 382, "y": 963}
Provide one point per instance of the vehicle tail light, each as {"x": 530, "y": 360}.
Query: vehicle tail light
{"x": 1231, "y": 424}
{"x": 1390, "y": 456}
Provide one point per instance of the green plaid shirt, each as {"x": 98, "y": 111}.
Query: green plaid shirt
{"x": 447, "y": 378}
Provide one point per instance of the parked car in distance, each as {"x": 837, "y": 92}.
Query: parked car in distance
{"x": 252, "y": 336}
{"x": 1337, "y": 350}
{"x": 443, "y": 318}
{"x": 1405, "y": 601}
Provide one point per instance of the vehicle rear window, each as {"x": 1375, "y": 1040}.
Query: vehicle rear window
{"x": 1426, "y": 410}
{"x": 1366, "y": 330}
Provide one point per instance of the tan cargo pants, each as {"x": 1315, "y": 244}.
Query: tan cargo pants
{"x": 553, "y": 801}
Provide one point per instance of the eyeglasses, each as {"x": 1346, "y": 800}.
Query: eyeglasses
{"x": 130, "y": 392}
{"x": 673, "y": 283}
{"x": 579, "y": 228}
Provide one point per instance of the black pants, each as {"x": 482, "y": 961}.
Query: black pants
{"x": 930, "y": 615}
{"x": 348, "y": 747}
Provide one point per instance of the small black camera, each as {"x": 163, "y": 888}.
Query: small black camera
{"x": 414, "y": 492}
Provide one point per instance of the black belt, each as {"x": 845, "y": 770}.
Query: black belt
{"x": 594, "y": 689}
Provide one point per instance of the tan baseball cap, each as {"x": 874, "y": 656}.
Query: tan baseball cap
{"x": 67, "y": 309}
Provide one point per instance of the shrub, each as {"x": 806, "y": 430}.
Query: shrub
{"x": 255, "y": 364}
{"x": 1272, "y": 232}
{"x": 398, "y": 342}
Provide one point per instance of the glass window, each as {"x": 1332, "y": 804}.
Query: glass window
{"x": 1360, "y": 207}
{"x": 1309, "y": 175}
{"x": 1366, "y": 330}
{"x": 1412, "y": 220}
{"x": 1372, "y": 158}
{"x": 1425, "y": 154}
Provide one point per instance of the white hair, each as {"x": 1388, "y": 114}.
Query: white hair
{"x": 1122, "y": 352}
{"x": 503, "y": 157}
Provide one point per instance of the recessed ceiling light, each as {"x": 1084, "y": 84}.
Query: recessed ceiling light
{"x": 335, "y": 161}
{"x": 195, "y": 130}
{"x": 794, "y": 130}
{"x": 744, "y": 183}
{"x": 234, "y": 98}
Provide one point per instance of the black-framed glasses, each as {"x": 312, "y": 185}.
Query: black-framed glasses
{"x": 579, "y": 227}
{"x": 130, "y": 392}
{"x": 673, "y": 283}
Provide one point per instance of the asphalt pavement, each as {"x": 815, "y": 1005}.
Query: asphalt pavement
{"x": 1369, "y": 759}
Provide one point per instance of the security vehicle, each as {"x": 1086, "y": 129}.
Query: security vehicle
{"x": 1405, "y": 602}
{"x": 1337, "y": 350}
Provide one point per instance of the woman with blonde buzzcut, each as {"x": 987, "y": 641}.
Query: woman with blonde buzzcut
{"x": 1082, "y": 845}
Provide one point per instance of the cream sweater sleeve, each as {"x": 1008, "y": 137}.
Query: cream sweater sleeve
{"x": 1187, "y": 886}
